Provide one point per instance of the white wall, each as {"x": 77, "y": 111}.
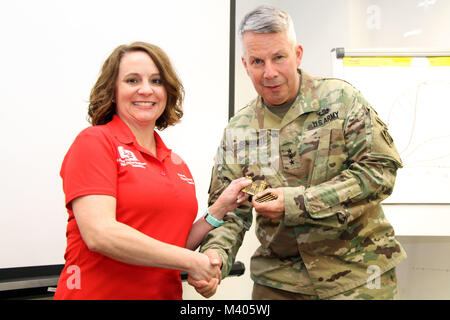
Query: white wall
{"x": 322, "y": 25}
{"x": 51, "y": 55}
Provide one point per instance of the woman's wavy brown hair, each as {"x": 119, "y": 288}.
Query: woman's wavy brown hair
{"x": 101, "y": 103}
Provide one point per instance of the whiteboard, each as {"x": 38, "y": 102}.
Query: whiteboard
{"x": 409, "y": 90}
{"x": 51, "y": 55}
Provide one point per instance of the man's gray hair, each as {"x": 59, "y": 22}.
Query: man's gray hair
{"x": 267, "y": 19}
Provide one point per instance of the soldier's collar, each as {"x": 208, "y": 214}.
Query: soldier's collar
{"x": 308, "y": 95}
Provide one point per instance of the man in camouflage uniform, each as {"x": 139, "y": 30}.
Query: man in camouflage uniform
{"x": 325, "y": 236}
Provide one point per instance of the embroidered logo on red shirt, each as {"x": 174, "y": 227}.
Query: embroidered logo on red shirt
{"x": 184, "y": 178}
{"x": 127, "y": 157}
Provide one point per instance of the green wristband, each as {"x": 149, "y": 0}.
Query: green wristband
{"x": 211, "y": 220}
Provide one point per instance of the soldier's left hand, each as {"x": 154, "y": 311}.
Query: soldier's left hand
{"x": 273, "y": 209}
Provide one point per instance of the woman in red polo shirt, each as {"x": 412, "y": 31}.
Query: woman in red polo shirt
{"x": 131, "y": 200}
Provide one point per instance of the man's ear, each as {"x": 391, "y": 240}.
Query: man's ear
{"x": 299, "y": 54}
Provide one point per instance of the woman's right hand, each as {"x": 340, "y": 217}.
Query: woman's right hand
{"x": 205, "y": 287}
{"x": 203, "y": 268}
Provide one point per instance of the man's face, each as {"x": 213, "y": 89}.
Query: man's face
{"x": 271, "y": 61}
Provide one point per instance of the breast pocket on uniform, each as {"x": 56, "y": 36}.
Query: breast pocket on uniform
{"x": 314, "y": 150}
{"x": 322, "y": 151}
{"x": 298, "y": 154}
{"x": 337, "y": 154}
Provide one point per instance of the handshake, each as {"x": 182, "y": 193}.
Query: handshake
{"x": 204, "y": 273}
{"x": 207, "y": 275}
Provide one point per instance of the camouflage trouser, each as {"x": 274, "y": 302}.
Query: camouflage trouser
{"x": 387, "y": 290}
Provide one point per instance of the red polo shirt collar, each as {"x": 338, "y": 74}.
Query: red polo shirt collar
{"x": 123, "y": 133}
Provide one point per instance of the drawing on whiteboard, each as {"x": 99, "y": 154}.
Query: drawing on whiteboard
{"x": 410, "y": 96}
{"x": 418, "y": 121}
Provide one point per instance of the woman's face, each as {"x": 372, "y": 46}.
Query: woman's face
{"x": 140, "y": 94}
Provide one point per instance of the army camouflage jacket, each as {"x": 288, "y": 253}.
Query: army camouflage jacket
{"x": 336, "y": 162}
